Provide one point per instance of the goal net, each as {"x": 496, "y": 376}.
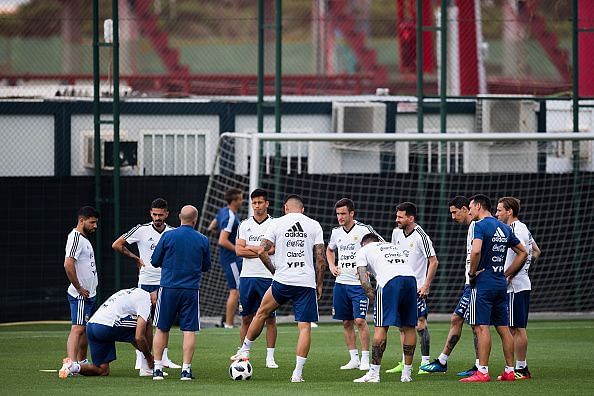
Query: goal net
{"x": 552, "y": 174}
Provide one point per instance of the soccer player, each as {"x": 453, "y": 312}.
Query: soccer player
{"x": 227, "y": 223}
{"x": 395, "y": 303}
{"x": 124, "y": 317}
{"x": 417, "y": 248}
{"x": 81, "y": 271}
{"x": 460, "y": 213}
{"x": 255, "y": 278}
{"x": 146, "y": 236}
{"x": 518, "y": 290}
{"x": 349, "y": 301}
{"x": 488, "y": 300}
{"x": 184, "y": 254}
{"x": 296, "y": 239}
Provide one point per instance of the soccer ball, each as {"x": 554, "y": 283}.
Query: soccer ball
{"x": 240, "y": 370}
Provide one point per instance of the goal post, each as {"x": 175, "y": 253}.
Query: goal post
{"x": 551, "y": 173}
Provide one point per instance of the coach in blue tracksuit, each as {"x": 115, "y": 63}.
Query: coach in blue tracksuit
{"x": 183, "y": 254}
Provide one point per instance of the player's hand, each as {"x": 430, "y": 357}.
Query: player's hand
{"x": 423, "y": 291}
{"x": 371, "y": 296}
{"x": 319, "y": 292}
{"x": 472, "y": 279}
{"x": 335, "y": 270}
{"x": 139, "y": 263}
{"x": 83, "y": 292}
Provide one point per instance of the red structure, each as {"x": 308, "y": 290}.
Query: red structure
{"x": 406, "y": 22}
{"x": 585, "y": 48}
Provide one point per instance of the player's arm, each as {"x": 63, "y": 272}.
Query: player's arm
{"x": 475, "y": 258}
{"x": 365, "y": 282}
{"x": 332, "y": 261}
{"x": 159, "y": 252}
{"x": 141, "y": 339}
{"x": 519, "y": 260}
{"x": 535, "y": 252}
{"x": 225, "y": 242}
{"x": 265, "y": 247}
{"x": 70, "y": 268}
{"x": 119, "y": 245}
{"x": 431, "y": 271}
{"x": 246, "y": 251}
{"x": 320, "y": 267}
{"x": 212, "y": 227}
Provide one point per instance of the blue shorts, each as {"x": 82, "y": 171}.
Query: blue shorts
{"x": 462, "y": 307}
{"x": 422, "y": 310}
{"x": 518, "y": 308}
{"x": 349, "y": 302}
{"x": 396, "y": 303}
{"x": 251, "y": 292}
{"x": 305, "y": 300}
{"x": 488, "y": 307}
{"x": 184, "y": 302}
{"x": 149, "y": 288}
{"x": 102, "y": 341}
{"x": 232, "y": 271}
{"x": 81, "y": 309}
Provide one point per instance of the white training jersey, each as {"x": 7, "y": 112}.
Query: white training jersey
{"x": 469, "y": 238}
{"x": 384, "y": 260}
{"x": 417, "y": 248}
{"x": 347, "y": 243}
{"x": 252, "y": 233}
{"x": 146, "y": 237}
{"x": 80, "y": 249}
{"x": 123, "y": 308}
{"x": 294, "y": 236}
{"x": 521, "y": 281}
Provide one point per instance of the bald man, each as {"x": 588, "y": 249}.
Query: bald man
{"x": 183, "y": 254}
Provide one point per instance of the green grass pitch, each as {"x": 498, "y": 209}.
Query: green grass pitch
{"x": 560, "y": 356}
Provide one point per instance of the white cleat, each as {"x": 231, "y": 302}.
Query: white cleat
{"x": 364, "y": 366}
{"x": 271, "y": 364}
{"x": 405, "y": 379}
{"x": 368, "y": 378}
{"x": 351, "y": 365}
{"x": 64, "y": 371}
{"x": 171, "y": 365}
{"x": 297, "y": 379}
{"x": 314, "y": 325}
{"x": 241, "y": 355}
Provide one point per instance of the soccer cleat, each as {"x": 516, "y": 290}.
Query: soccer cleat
{"x": 523, "y": 374}
{"x": 158, "y": 375}
{"x": 368, "y": 378}
{"x": 64, "y": 371}
{"x": 171, "y": 365}
{"x": 149, "y": 373}
{"x": 270, "y": 363}
{"x": 297, "y": 379}
{"x": 406, "y": 379}
{"x": 397, "y": 369}
{"x": 84, "y": 361}
{"x": 351, "y": 365}
{"x": 511, "y": 376}
{"x": 434, "y": 367}
{"x": 186, "y": 375}
{"x": 241, "y": 355}
{"x": 422, "y": 372}
{"x": 468, "y": 372}
{"x": 364, "y": 366}
{"x": 477, "y": 377}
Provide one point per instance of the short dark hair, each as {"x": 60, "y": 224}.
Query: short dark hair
{"x": 259, "y": 192}
{"x": 345, "y": 202}
{"x": 511, "y": 203}
{"x": 368, "y": 238}
{"x": 295, "y": 197}
{"x": 232, "y": 194}
{"x": 159, "y": 203}
{"x": 408, "y": 207}
{"x": 483, "y": 200}
{"x": 88, "y": 211}
{"x": 460, "y": 201}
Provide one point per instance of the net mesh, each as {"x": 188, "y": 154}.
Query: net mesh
{"x": 378, "y": 175}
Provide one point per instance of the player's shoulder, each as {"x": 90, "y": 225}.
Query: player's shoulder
{"x": 421, "y": 232}
{"x": 364, "y": 226}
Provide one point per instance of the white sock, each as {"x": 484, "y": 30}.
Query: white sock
{"x": 520, "y": 364}
{"x": 186, "y": 366}
{"x": 75, "y": 368}
{"x": 443, "y": 358}
{"x": 509, "y": 369}
{"x": 269, "y": 353}
{"x": 247, "y": 344}
{"x": 354, "y": 355}
{"x": 425, "y": 360}
{"x": 483, "y": 369}
{"x": 407, "y": 370}
{"x": 139, "y": 356}
{"x": 374, "y": 369}
{"x": 299, "y": 363}
{"x": 165, "y": 356}
{"x": 402, "y": 359}
{"x": 365, "y": 356}
{"x": 158, "y": 365}
{"x": 143, "y": 363}
{"x": 476, "y": 363}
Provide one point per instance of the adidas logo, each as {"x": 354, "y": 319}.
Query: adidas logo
{"x": 296, "y": 231}
{"x": 499, "y": 236}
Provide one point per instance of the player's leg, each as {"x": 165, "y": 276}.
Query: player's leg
{"x": 167, "y": 308}
{"x": 423, "y": 332}
{"x": 480, "y": 309}
{"x": 342, "y": 310}
{"x": 101, "y": 341}
{"x": 189, "y": 324}
{"x": 359, "y": 305}
{"x": 500, "y": 319}
{"x": 232, "y": 271}
{"x": 364, "y": 337}
{"x": 407, "y": 320}
{"x": 246, "y": 320}
{"x": 73, "y": 343}
{"x": 83, "y": 345}
{"x": 305, "y": 308}
{"x": 380, "y": 338}
{"x": 271, "y": 334}
{"x": 519, "y": 308}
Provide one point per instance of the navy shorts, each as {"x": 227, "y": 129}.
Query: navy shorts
{"x": 102, "y": 341}
{"x": 251, "y": 292}
{"x": 232, "y": 271}
{"x": 396, "y": 303}
{"x": 422, "y": 310}
{"x": 184, "y": 302}
{"x": 462, "y": 308}
{"x": 488, "y": 307}
{"x": 518, "y": 308}
{"x": 305, "y": 300}
{"x": 81, "y": 309}
{"x": 349, "y": 302}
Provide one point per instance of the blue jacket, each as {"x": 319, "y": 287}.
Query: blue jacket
{"x": 184, "y": 254}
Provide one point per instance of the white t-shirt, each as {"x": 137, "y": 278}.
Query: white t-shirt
{"x": 469, "y": 238}
{"x": 146, "y": 237}
{"x": 347, "y": 243}
{"x": 384, "y": 260}
{"x": 294, "y": 236}
{"x": 521, "y": 281}
{"x": 123, "y": 308}
{"x": 252, "y": 232}
{"x": 80, "y": 249}
{"x": 417, "y": 248}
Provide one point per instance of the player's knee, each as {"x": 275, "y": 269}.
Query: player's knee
{"x": 271, "y": 322}
{"x": 246, "y": 320}
{"x": 104, "y": 370}
{"x": 361, "y": 323}
{"x": 347, "y": 324}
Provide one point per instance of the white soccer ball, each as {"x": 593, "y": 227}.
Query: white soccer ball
{"x": 240, "y": 370}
